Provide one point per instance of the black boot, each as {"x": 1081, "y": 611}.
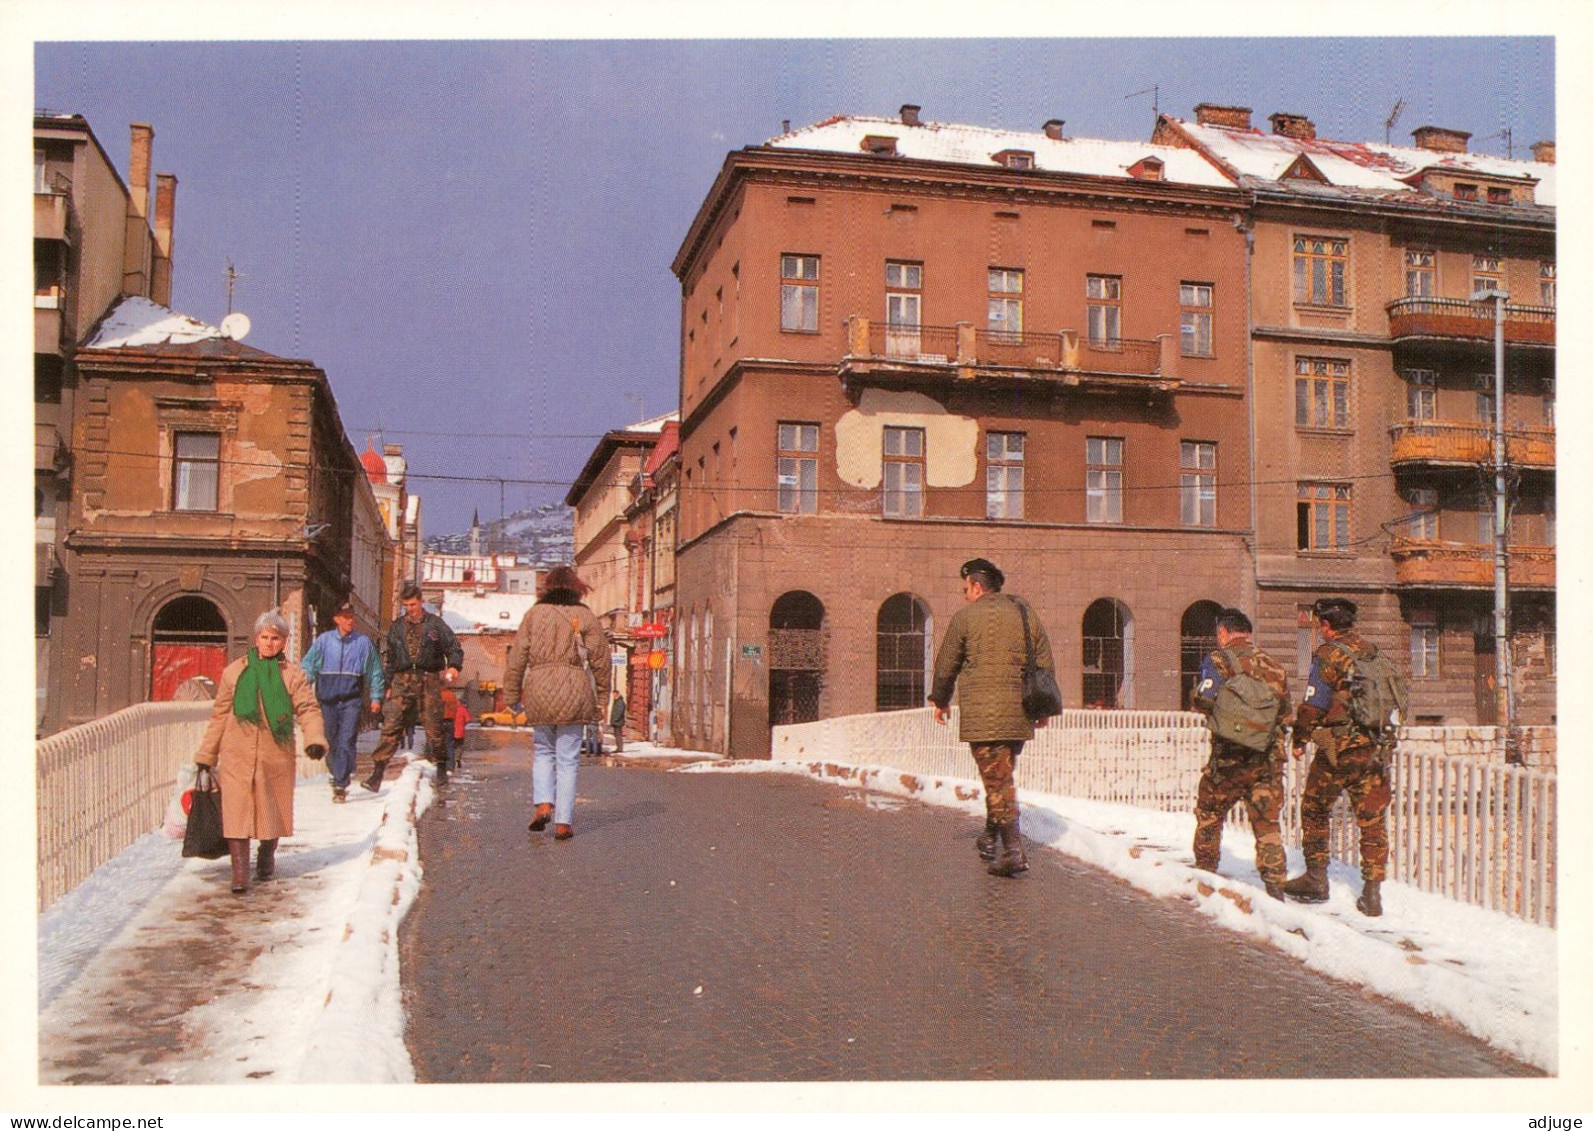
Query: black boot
{"x": 1012, "y": 860}
{"x": 1275, "y": 890}
{"x": 265, "y": 862}
{"x": 985, "y": 842}
{"x": 239, "y": 848}
{"x": 374, "y": 782}
{"x": 1370, "y": 903}
{"x": 1312, "y": 887}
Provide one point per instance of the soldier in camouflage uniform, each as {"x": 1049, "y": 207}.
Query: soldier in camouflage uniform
{"x": 1234, "y": 773}
{"x": 1348, "y": 760}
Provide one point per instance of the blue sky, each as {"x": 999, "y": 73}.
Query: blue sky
{"x": 473, "y": 238}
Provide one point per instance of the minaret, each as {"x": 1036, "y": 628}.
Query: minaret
{"x": 475, "y": 533}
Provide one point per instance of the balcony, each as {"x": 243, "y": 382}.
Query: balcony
{"x": 1461, "y": 320}
{"x": 51, "y": 213}
{"x": 1457, "y": 565}
{"x": 1457, "y": 443}
{"x": 49, "y": 448}
{"x": 904, "y": 354}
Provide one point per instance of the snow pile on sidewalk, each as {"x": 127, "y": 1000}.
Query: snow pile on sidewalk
{"x": 1493, "y": 975}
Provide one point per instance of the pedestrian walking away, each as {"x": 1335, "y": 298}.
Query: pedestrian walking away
{"x": 558, "y": 674}
{"x": 423, "y": 657}
{"x": 1351, "y": 752}
{"x": 347, "y": 674}
{"x": 1244, "y": 694}
{"x": 456, "y": 728}
{"x": 249, "y": 742}
{"x": 987, "y": 646}
{"x": 616, "y": 719}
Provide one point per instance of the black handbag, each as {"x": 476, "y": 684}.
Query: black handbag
{"x": 1042, "y": 698}
{"x": 203, "y": 836}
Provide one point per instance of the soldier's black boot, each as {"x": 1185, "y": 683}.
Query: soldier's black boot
{"x": 1312, "y": 887}
{"x": 1274, "y": 889}
{"x": 1370, "y": 902}
{"x": 1012, "y": 860}
{"x": 985, "y": 842}
{"x": 374, "y": 782}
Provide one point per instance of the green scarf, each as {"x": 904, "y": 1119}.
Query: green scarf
{"x": 260, "y": 683}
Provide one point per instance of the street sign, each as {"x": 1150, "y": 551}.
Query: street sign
{"x": 652, "y": 630}
{"x": 752, "y": 651}
{"x": 656, "y": 660}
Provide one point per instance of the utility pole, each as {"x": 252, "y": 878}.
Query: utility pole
{"x": 1503, "y": 700}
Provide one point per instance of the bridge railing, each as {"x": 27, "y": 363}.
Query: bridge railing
{"x": 102, "y": 785}
{"x": 1459, "y": 826}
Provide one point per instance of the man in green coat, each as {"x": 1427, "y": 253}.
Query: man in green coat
{"x": 984, "y": 646}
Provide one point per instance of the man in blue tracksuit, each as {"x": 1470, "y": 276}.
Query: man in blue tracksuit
{"x": 339, "y": 663}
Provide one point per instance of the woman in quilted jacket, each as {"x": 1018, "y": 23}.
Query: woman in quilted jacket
{"x": 558, "y": 668}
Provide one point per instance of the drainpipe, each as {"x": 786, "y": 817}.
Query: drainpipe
{"x": 1250, "y": 411}
{"x": 1501, "y": 553}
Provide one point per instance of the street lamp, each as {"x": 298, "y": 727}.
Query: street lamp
{"x": 1503, "y": 709}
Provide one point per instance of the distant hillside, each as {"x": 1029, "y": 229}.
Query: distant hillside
{"x": 541, "y": 537}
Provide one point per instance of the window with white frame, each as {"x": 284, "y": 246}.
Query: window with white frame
{"x": 1486, "y": 274}
{"x": 799, "y": 293}
{"x": 1546, "y": 290}
{"x": 1197, "y": 479}
{"x": 1004, "y": 474}
{"x": 1425, "y": 640}
{"x": 1320, "y": 267}
{"x": 1194, "y": 319}
{"x": 1483, "y": 384}
{"x": 1423, "y": 522}
{"x": 1322, "y": 516}
{"x": 1421, "y": 394}
{"x": 1321, "y": 392}
{"x": 903, "y": 479}
{"x": 1104, "y": 306}
{"x": 1421, "y": 273}
{"x": 1103, "y": 478}
{"x": 1004, "y": 317}
{"x": 196, "y": 471}
{"x": 1486, "y": 526}
{"x": 904, "y": 286}
{"x": 1548, "y": 402}
{"x": 797, "y": 468}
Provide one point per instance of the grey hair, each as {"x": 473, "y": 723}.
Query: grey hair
{"x": 270, "y": 619}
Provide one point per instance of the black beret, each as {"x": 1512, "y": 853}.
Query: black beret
{"x": 1334, "y": 605}
{"x": 982, "y": 565}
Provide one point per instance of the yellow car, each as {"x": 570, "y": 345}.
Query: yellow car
{"x": 504, "y": 717}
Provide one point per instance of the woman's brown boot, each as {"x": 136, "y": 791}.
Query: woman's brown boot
{"x": 265, "y": 864}
{"x": 239, "y": 847}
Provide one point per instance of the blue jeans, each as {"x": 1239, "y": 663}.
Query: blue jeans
{"x": 557, "y": 756}
{"x": 342, "y": 722}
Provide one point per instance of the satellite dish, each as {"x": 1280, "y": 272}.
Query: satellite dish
{"x": 235, "y": 326}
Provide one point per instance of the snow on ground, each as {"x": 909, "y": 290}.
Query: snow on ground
{"x": 1493, "y": 975}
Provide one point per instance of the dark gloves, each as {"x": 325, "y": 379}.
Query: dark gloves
{"x": 315, "y": 752}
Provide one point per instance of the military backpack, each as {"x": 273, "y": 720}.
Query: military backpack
{"x": 1378, "y": 696}
{"x": 1244, "y": 711}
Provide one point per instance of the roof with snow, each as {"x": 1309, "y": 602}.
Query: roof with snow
{"x": 141, "y": 324}
{"x": 1257, "y": 158}
{"x": 490, "y": 611}
{"x": 977, "y": 145}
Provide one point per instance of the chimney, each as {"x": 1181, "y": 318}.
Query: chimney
{"x": 138, "y": 167}
{"x": 165, "y": 215}
{"x": 1053, "y": 129}
{"x": 1440, "y": 140}
{"x": 1543, "y": 152}
{"x": 1227, "y": 117}
{"x": 1297, "y": 126}
{"x": 910, "y": 114}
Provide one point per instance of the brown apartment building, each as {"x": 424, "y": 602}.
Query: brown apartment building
{"x": 1374, "y": 395}
{"x": 905, "y": 344}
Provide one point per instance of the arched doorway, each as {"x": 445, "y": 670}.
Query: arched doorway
{"x": 902, "y": 636}
{"x": 188, "y": 638}
{"x": 1108, "y": 654}
{"x": 796, "y": 658}
{"x": 1197, "y": 637}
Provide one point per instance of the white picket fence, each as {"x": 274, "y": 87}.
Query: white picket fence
{"x": 1478, "y": 833}
{"x": 102, "y": 785}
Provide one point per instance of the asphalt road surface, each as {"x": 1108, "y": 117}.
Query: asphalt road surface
{"x": 733, "y": 927}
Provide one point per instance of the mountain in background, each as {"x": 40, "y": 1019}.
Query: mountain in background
{"x": 541, "y": 537}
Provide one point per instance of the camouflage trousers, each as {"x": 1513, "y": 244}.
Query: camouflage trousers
{"x": 1226, "y": 781}
{"x": 411, "y": 695}
{"x": 1359, "y": 772}
{"x": 995, "y": 761}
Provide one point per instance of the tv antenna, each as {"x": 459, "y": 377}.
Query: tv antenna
{"x": 1155, "y": 91}
{"x": 1510, "y": 149}
{"x": 1393, "y": 116}
{"x": 232, "y": 280}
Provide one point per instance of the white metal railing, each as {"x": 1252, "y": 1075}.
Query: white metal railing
{"x": 1475, "y": 832}
{"x": 102, "y": 785}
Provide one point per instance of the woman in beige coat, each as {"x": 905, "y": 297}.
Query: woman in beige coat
{"x": 250, "y": 743}
{"x": 558, "y": 668}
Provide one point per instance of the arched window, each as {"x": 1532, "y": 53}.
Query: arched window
{"x": 901, "y": 651}
{"x": 796, "y": 658}
{"x": 1107, "y": 634}
{"x": 188, "y": 638}
{"x": 1197, "y": 636}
